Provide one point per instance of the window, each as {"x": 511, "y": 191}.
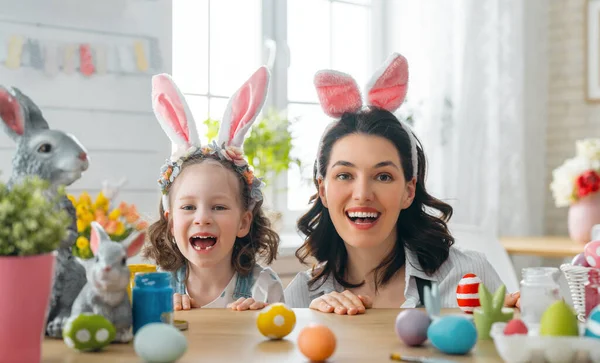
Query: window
{"x": 211, "y": 57}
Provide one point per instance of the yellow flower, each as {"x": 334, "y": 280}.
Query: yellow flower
{"x": 72, "y": 199}
{"x": 81, "y": 209}
{"x": 87, "y": 217}
{"x": 82, "y": 242}
{"x": 102, "y": 202}
{"x": 81, "y": 225}
{"x": 114, "y": 215}
{"x": 120, "y": 229}
{"x": 85, "y": 199}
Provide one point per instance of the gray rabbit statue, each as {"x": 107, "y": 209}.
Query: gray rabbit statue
{"x": 60, "y": 159}
{"x": 107, "y": 279}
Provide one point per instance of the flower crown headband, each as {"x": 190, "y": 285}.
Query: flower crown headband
{"x": 176, "y": 120}
{"x": 338, "y": 93}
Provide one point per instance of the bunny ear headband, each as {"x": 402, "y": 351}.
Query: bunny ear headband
{"x": 175, "y": 117}
{"x": 338, "y": 93}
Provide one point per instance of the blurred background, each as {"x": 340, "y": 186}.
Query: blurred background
{"x": 499, "y": 93}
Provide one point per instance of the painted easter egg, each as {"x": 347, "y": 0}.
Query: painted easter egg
{"x": 159, "y": 343}
{"x": 515, "y": 326}
{"x": 592, "y": 324}
{"x": 411, "y": 326}
{"x": 579, "y": 260}
{"x": 592, "y": 253}
{"x": 467, "y": 293}
{"x": 88, "y": 332}
{"x": 452, "y": 334}
{"x": 276, "y": 321}
{"x": 317, "y": 342}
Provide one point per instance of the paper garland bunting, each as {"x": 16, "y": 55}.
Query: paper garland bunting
{"x": 89, "y": 59}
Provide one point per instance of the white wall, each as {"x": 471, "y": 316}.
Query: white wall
{"x": 110, "y": 114}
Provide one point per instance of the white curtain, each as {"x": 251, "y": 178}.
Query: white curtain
{"x": 477, "y": 94}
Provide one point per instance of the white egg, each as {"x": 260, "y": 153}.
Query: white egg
{"x": 159, "y": 343}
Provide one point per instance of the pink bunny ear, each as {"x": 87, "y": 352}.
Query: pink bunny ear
{"x": 243, "y": 107}
{"x": 173, "y": 113}
{"x": 387, "y": 89}
{"x": 97, "y": 235}
{"x": 11, "y": 113}
{"x": 338, "y": 93}
{"x": 134, "y": 243}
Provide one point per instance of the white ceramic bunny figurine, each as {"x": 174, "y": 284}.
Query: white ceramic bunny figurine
{"x": 60, "y": 159}
{"x": 108, "y": 276}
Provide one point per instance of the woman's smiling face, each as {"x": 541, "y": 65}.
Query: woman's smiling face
{"x": 364, "y": 189}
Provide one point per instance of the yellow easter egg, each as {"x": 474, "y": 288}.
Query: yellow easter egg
{"x": 276, "y": 321}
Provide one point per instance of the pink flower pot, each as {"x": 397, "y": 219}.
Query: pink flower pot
{"x": 583, "y": 215}
{"x": 25, "y": 285}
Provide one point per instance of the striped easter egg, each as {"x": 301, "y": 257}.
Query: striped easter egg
{"x": 467, "y": 293}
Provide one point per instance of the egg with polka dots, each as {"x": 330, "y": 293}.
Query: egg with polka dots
{"x": 88, "y": 332}
{"x": 276, "y": 321}
{"x": 591, "y": 252}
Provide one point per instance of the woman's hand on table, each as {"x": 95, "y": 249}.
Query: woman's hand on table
{"x": 513, "y": 300}
{"x": 344, "y": 303}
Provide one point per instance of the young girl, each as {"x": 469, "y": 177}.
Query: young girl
{"x": 377, "y": 234}
{"x": 212, "y": 226}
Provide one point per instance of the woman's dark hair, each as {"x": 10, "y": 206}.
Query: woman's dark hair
{"x": 425, "y": 234}
{"x": 261, "y": 241}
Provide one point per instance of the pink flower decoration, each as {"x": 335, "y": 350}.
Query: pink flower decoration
{"x": 234, "y": 154}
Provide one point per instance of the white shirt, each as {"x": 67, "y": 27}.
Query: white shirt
{"x": 267, "y": 288}
{"x": 460, "y": 262}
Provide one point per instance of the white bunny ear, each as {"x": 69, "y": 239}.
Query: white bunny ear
{"x": 243, "y": 107}
{"x": 387, "y": 88}
{"x": 173, "y": 113}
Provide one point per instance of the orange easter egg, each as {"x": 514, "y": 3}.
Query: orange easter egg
{"x": 317, "y": 342}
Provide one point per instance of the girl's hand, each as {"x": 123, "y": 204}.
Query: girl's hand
{"x": 342, "y": 303}
{"x": 183, "y": 302}
{"x": 513, "y": 300}
{"x": 246, "y": 304}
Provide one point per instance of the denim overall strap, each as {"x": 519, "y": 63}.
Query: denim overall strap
{"x": 243, "y": 286}
{"x": 178, "y": 280}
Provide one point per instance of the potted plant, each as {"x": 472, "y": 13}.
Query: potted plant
{"x": 575, "y": 184}
{"x": 31, "y": 229}
{"x": 268, "y": 146}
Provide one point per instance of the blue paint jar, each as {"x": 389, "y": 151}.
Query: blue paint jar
{"x": 152, "y": 299}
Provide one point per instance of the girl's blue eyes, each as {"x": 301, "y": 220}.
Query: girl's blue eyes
{"x": 216, "y": 207}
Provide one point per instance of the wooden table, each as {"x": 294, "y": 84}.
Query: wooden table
{"x": 549, "y": 246}
{"x": 222, "y": 335}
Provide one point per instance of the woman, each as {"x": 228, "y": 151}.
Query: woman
{"x": 377, "y": 234}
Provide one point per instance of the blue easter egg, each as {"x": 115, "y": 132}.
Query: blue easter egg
{"x": 592, "y": 325}
{"x": 452, "y": 334}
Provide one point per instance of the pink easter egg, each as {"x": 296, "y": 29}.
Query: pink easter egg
{"x": 467, "y": 293}
{"x": 580, "y": 260}
{"x": 592, "y": 253}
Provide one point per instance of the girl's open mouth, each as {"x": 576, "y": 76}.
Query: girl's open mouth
{"x": 203, "y": 243}
{"x": 363, "y": 220}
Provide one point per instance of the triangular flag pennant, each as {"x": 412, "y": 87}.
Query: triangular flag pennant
{"x": 69, "y": 60}
{"x": 140, "y": 56}
{"x": 99, "y": 52}
{"x": 36, "y": 59}
{"x": 86, "y": 64}
{"x": 155, "y": 55}
{"x": 51, "y": 59}
{"x": 15, "y": 50}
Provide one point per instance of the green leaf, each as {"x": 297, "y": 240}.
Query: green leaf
{"x": 499, "y": 296}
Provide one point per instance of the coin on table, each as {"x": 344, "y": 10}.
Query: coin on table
{"x": 181, "y": 324}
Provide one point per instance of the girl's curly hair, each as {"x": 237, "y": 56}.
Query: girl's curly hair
{"x": 261, "y": 241}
